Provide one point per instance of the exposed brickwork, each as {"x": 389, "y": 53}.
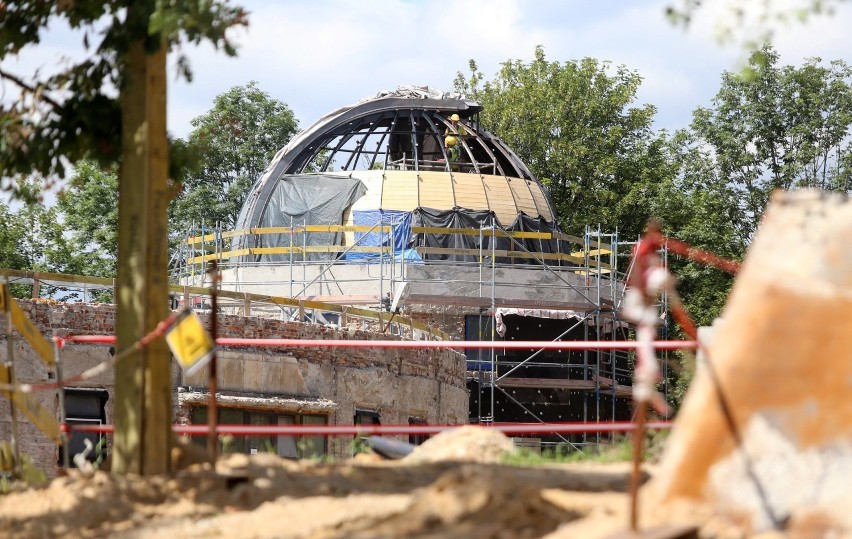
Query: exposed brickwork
{"x": 447, "y": 318}
{"x": 396, "y": 383}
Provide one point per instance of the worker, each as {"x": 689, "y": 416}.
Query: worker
{"x": 455, "y": 127}
{"x": 451, "y": 146}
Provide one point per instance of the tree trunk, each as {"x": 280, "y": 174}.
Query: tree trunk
{"x": 143, "y": 389}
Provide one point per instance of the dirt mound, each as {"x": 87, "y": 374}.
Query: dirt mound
{"x": 464, "y": 444}
{"x": 265, "y": 497}
{"x": 463, "y": 503}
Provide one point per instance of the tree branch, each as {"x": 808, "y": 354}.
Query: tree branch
{"x": 20, "y": 82}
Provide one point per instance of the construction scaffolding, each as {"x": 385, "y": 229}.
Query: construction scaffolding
{"x": 579, "y": 292}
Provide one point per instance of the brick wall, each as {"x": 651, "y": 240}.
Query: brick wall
{"x": 396, "y": 383}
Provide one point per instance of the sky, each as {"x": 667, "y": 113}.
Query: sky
{"x": 319, "y": 55}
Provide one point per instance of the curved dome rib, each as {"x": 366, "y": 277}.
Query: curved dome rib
{"x": 401, "y": 133}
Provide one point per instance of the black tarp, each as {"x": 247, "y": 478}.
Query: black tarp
{"x": 479, "y": 219}
{"x": 525, "y": 223}
{"x": 454, "y": 218}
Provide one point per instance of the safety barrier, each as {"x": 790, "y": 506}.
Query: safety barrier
{"x": 508, "y": 429}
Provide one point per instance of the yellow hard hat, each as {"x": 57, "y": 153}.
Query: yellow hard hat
{"x": 450, "y": 141}
{"x": 454, "y": 117}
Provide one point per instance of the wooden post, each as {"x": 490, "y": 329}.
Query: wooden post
{"x": 246, "y": 304}
{"x": 143, "y": 389}
{"x": 636, "y": 470}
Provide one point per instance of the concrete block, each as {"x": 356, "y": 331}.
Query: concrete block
{"x": 254, "y": 372}
{"x": 230, "y": 373}
{"x": 777, "y": 377}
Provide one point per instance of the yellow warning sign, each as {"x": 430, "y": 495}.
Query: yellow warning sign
{"x": 189, "y": 342}
{"x": 27, "y": 329}
{"x": 27, "y": 403}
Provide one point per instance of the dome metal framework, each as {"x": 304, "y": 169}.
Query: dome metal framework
{"x": 411, "y": 151}
{"x": 400, "y": 131}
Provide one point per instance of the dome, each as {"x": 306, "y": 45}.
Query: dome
{"x": 395, "y": 153}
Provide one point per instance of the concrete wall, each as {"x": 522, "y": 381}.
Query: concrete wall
{"x": 531, "y": 283}
{"x": 396, "y": 383}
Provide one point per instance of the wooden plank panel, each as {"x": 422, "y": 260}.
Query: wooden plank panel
{"x": 500, "y": 199}
{"x": 436, "y": 190}
{"x": 523, "y": 196}
{"x": 400, "y": 191}
{"x": 470, "y": 191}
{"x": 541, "y": 201}
{"x": 552, "y": 383}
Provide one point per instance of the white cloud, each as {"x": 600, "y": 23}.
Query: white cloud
{"x": 320, "y": 55}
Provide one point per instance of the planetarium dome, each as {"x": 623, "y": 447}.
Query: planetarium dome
{"x": 396, "y": 158}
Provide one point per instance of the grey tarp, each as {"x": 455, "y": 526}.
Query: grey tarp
{"x": 307, "y": 199}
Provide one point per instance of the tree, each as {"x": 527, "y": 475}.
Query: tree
{"x": 573, "y": 125}
{"x": 75, "y": 114}
{"x": 777, "y": 128}
{"x": 234, "y": 142}
{"x": 88, "y": 207}
{"x": 11, "y": 240}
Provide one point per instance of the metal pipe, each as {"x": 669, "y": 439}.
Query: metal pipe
{"x": 636, "y": 471}
{"x": 493, "y": 311}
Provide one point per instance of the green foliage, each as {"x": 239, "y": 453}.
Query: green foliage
{"x": 234, "y": 142}
{"x": 75, "y": 113}
{"x": 89, "y": 208}
{"x": 620, "y": 449}
{"x": 11, "y": 240}
{"x": 775, "y": 127}
{"x": 573, "y": 124}
{"x": 29, "y": 473}
{"x": 359, "y": 445}
{"x": 41, "y": 232}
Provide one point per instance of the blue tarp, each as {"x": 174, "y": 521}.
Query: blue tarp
{"x": 398, "y": 238}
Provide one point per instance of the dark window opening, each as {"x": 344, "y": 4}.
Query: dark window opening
{"x": 417, "y": 439}
{"x": 366, "y": 417}
{"x": 84, "y": 406}
{"x": 287, "y": 446}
